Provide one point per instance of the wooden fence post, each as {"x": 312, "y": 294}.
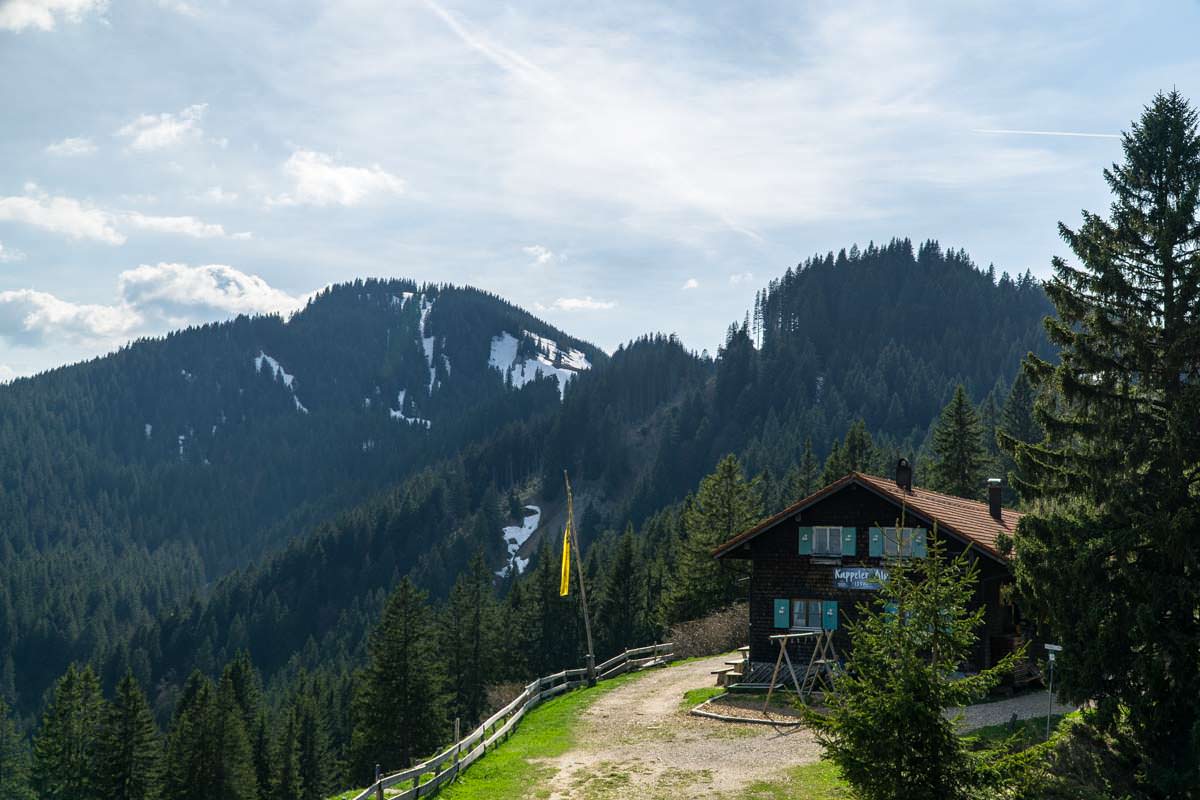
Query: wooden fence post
{"x": 457, "y": 739}
{"x": 378, "y": 785}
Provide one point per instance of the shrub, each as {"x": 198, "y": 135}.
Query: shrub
{"x": 719, "y": 632}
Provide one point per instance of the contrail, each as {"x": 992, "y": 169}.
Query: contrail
{"x": 1049, "y": 133}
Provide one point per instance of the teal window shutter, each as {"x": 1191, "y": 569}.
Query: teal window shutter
{"x": 849, "y": 541}
{"x": 918, "y": 543}
{"x": 806, "y": 537}
{"x": 829, "y": 619}
{"x": 876, "y": 547}
{"x": 782, "y": 618}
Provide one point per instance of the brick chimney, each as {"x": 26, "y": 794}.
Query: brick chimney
{"x": 994, "y": 497}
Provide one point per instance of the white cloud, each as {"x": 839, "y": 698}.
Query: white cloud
{"x": 179, "y": 293}
{"x": 318, "y": 181}
{"x": 72, "y": 146}
{"x": 7, "y": 254}
{"x": 185, "y": 226}
{"x": 17, "y": 15}
{"x": 60, "y": 215}
{"x": 29, "y": 317}
{"x": 156, "y": 132}
{"x": 690, "y": 283}
{"x": 539, "y": 254}
{"x": 217, "y": 195}
{"x": 740, "y": 277}
{"x": 150, "y": 298}
{"x": 7, "y": 373}
{"x": 68, "y": 216}
{"x": 582, "y": 304}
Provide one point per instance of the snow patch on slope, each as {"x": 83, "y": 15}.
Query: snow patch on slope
{"x": 427, "y": 341}
{"x": 551, "y": 359}
{"x": 517, "y": 535}
{"x": 398, "y": 413}
{"x": 279, "y": 373}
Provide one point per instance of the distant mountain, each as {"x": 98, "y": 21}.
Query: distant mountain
{"x": 129, "y": 482}
{"x": 263, "y": 483}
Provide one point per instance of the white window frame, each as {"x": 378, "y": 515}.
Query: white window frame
{"x": 833, "y": 540}
{"x": 808, "y": 603}
{"x": 898, "y": 542}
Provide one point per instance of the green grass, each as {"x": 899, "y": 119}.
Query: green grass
{"x": 694, "y": 697}
{"x": 545, "y": 732}
{"x": 819, "y": 781}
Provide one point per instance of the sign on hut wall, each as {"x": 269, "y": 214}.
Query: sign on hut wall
{"x": 867, "y": 578}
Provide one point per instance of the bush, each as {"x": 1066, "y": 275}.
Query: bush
{"x": 717, "y": 633}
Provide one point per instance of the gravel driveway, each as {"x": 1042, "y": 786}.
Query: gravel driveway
{"x": 636, "y": 741}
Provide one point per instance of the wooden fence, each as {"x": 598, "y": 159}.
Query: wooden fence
{"x": 426, "y": 778}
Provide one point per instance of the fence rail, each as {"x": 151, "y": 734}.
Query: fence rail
{"x": 430, "y": 775}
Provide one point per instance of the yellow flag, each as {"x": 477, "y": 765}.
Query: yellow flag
{"x": 564, "y": 582}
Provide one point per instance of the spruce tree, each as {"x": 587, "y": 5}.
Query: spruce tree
{"x": 66, "y": 763}
{"x": 235, "y": 776}
{"x": 188, "y": 752}
{"x": 130, "y": 748}
{"x": 467, "y": 631}
{"x": 620, "y": 613}
{"x": 856, "y": 453}
{"x": 399, "y": 709}
{"x": 1017, "y": 424}
{"x": 959, "y": 459}
{"x": 314, "y": 759}
{"x": 885, "y": 725}
{"x": 1109, "y": 559}
{"x": 208, "y": 753}
{"x": 286, "y": 783}
{"x": 14, "y": 759}
{"x": 724, "y": 505}
{"x": 809, "y": 473}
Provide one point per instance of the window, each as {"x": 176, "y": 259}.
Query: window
{"x": 898, "y": 542}
{"x": 806, "y": 614}
{"x": 827, "y": 541}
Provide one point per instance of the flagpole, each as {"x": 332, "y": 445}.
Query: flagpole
{"x": 587, "y": 621}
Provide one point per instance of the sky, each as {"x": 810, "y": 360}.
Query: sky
{"x": 615, "y": 168}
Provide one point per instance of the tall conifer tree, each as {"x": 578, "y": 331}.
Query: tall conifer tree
{"x": 724, "y": 505}
{"x": 1110, "y": 561}
{"x": 467, "y": 631}
{"x": 399, "y": 706}
{"x": 621, "y": 613}
{"x": 959, "y": 459}
{"x": 314, "y": 758}
{"x": 66, "y": 763}
{"x": 14, "y": 759}
{"x": 130, "y": 749}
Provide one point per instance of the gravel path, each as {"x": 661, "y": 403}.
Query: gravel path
{"x": 1001, "y": 711}
{"x": 638, "y": 742}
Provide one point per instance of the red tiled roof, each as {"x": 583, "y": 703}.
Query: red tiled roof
{"x": 969, "y": 520}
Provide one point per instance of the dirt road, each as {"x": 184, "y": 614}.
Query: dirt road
{"x": 637, "y": 741}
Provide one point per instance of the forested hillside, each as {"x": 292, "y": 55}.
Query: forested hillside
{"x": 261, "y": 486}
{"x": 132, "y": 481}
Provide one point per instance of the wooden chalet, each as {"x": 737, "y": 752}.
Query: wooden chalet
{"x": 816, "y": 560}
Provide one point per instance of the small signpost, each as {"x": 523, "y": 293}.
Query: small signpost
{"x": 1051, "y": 650}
